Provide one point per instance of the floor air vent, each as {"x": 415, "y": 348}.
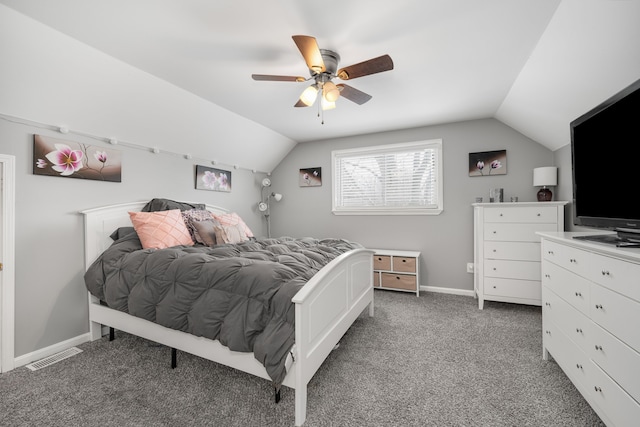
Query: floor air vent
{"x": 54, "y": 358}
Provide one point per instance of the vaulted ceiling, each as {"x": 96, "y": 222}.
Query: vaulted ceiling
{"x": 534, "y": 65}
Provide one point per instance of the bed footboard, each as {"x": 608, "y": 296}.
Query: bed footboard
{"x": 325, "y": 309}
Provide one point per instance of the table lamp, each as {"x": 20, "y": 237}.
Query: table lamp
{"x": 545, "y": 177}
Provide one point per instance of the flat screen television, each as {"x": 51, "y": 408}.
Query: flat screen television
{"x": 605, "y": 161}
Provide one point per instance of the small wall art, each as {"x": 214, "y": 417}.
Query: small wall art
{"x": 212, "y": 179}
{"x": 310, "y": 177}
{"x": 488, "y": 163}
{"x": 70, "y": 159}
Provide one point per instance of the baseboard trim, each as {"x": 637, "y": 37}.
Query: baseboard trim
{"x": 452, "y": 291}
{"x": 51, "y": 350}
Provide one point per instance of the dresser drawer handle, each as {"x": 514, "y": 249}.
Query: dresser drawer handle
{"x": 598, "y": 306}
{"x": 578, "y": 330}
{"x": 547, "y": 276}
{"x": 537, "y": 214}
{"x": 579, "y": 366}
{"x": 598, "y": 389}
{"x": 578, "y": 294}
{"x": 598, "y": 347}
{"x": 550, "y": 252}
{"x": 548, "y": 304}
{"x": 605, "y": 273}
{"x": 547, "y": 332}
{"x": 572, "y": 260}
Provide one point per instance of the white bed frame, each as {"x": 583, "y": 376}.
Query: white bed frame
{"x": 325, "y": 309}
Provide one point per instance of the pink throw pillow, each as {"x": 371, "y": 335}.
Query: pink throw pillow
{"x": 161, "y": 229}
{"x": 233, "y": 219}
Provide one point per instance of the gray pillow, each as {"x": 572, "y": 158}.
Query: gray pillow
{"x": 206, "y": 231}
{"x": 192, "y": 215}
{"x": 156, "y": 205}
{"x": 121, "y": 232}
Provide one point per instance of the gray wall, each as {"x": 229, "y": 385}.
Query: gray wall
{"x": 446, "y": 240}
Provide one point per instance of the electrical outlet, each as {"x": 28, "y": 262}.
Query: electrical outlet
{"x": 469, "y": 267}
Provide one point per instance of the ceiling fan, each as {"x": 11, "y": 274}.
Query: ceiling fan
{"x": 323, "y": 67}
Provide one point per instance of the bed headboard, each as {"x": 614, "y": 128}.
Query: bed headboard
{"x": 100, "y": 222}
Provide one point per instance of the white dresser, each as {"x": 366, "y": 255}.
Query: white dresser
{"x": 591, "y": 322}
{"x": 507, "y": 249}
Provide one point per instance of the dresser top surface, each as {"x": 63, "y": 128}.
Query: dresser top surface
{"x": 517, "y": 204}
{"x": 631, "y": 254}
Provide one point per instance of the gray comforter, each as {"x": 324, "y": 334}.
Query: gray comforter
{"x": 238, "y": 294}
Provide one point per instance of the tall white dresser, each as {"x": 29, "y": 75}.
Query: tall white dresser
{"x": 591, "y": 322}
{"x": 507, "y": 249}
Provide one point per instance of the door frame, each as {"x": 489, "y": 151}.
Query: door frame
{"x": 7, "y": 284}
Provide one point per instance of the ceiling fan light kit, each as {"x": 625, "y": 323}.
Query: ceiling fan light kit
{"x": 330, "y": 91}
{"x": 308, "y": 96}
{"x": 323, "y": 67}
{"x": 327, "y": 105}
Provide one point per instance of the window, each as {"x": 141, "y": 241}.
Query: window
{"x": 397, "y": 179}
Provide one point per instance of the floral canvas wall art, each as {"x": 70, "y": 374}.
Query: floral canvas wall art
{"x": 70, "y": 159}
{"x": 310, "y": 177}
{"x": 488, "y": 163}
{"x": 212, "y": 179}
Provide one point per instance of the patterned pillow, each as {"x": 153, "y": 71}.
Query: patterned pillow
{"x": 192, "y": 215}
{"x": 234, "y": 219}
{"x": 230, "y": 234}
{"x": 206, "y": 231}
{"x": 161, "y": 229}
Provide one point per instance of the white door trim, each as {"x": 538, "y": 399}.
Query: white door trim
{"x": 7, "y": 284}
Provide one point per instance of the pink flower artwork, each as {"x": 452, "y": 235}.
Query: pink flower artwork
{"x": 310, "y": 177}
{"x": 212, "y": 179}
{"x": 71, "y": 159}
{"x": 488, "y": 163}
{"x": 65, "y": 160}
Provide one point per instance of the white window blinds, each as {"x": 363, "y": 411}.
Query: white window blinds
{"x": 389, "y": 179}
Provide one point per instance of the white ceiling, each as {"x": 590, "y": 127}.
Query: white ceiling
{"x": 535, "y": 65}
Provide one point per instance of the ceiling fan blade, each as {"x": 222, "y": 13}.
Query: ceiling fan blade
{"x": 267, "y": 77}
{"x": 372, "y": 66}
{"x": 353, "y": 94}
{"x": 310, "y": 51}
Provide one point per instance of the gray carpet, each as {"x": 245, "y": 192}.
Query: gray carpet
{"x": 435, "y": 360}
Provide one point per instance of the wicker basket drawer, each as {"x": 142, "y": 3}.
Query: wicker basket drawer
{"x": 382, "y": 262}
{"x": 404, "y": 265}
{"x": 398, "y": 281}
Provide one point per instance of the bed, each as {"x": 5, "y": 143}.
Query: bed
{"x": 325, "y": 307}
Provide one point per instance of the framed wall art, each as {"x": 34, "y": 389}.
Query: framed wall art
{"x": 310, "y": 177}
{"x": 488, "y": 163}
{"x": 212, "y": 179}
{"x": 70, "y": 159}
